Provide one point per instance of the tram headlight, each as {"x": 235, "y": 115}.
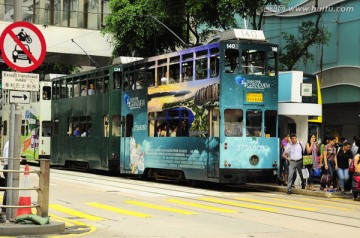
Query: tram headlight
{"x": 254, "y": 160}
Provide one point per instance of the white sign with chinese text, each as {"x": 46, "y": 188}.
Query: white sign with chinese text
{"x": 20, "y": 81}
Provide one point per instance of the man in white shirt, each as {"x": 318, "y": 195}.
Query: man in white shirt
{"x": 293, "y": 153}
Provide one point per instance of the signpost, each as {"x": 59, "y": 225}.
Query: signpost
{"x": 20, "y": 81}
{"x": 19, "y": 97}
{"x": 23, "y": 49}
{"x": 23, "y": 46}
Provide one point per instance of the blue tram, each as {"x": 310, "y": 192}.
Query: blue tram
{"x": 207, "y": 113}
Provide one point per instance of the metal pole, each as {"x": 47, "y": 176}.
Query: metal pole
{"x": 14, "y": 138}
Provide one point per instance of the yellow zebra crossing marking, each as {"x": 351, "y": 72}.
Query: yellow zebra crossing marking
{"x": 277, "y": 204}
{"x": 118, "y": 210}
{"x": 239, "y": 204}
{"x": 70, "y": 223}
{"x": 75, "y": 213}
{"x": 153, "y": 206}
{"x": 200, "y": 205}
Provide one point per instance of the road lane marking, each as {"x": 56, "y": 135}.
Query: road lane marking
{"x": 70, "y": 223}
{"x": 277, "y": 204}
{"x": 118, "y": 210}
{"x": 153, "y": 206}
{"x": 267, "y": 209}
{"x": 75, "y": 213}
{"x": 314, "y": 204}
{"x": 200, "y": 205}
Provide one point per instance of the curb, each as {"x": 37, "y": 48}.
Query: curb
{"x": 12, "y": 229}
{"x": 297, "y": 190}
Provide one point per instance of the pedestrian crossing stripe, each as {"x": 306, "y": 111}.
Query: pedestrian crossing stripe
{"x": 237, "y": 204}
{"x": 70, "y": 223}
{"x": 277, "y": 204}
{"x": 153, "y": 206}
{"x": 75, "y": 213}
{"x": 118, "y": 210}
{"x": 200, "y": 205}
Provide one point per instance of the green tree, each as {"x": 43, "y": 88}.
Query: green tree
{"x": 297, "y": 48}
{"x": 137, "y": 26}
{"x": 135, "y": 32}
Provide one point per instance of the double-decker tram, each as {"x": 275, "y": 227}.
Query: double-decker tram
{"x": 207, "y": 113}
{"x": 35, "y": 122}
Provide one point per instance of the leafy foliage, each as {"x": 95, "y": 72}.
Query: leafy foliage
{"x": 297, "y": 48}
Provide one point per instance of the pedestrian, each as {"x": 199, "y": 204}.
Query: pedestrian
{"x": 344, "y": 157}
{"x": 294, "y": 153}
{"x": 356, "y": 177}
{"x": 6, "y": 164}
{"x": 311, "y": 148}
{"x": 330, "y": 162}
{"x": 284, "y": 165}
{"x": 354, "y": 148}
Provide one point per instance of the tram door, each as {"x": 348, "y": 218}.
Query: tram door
{"x": 127, "y": 124}
{"x": 105, "y": 142}
{"x": 213, "y": 160}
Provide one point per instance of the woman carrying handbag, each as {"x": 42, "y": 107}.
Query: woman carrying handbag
{"x": 310, "y": 159}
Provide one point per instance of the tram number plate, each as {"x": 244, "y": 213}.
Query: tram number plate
{"x": 254, "y": 97}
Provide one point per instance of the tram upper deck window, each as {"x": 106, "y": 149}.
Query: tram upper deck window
{"x": 201, "y": 64}
{"x": 214, "y": 62}
{"x": 253, "y": 123}
{"x": 272, "y": 64}
{"x": 231, "y": 63}
{"x": 233, "y": 122}
{"x": 46, "y": 93}
{"x": 117, "y": 76}
{"x": 150, "y": 75}
{"x": 187, "y": 71}
{"x": 253, "y": 62}
{"x": 63, "y": 89}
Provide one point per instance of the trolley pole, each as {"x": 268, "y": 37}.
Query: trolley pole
{"x": 14, "y": 140}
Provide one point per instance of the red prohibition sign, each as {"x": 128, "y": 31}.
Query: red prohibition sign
{"x": 8, "y": 51}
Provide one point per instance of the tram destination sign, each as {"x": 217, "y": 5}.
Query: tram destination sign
{"x": 20, "y": 81}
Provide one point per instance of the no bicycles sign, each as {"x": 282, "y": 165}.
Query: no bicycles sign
{"x": 23, "y": 46}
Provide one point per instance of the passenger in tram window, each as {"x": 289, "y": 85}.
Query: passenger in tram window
{"x": 84, "y": 91}
{"x": 163, "y": 131}
{"x": 91, "y": 89}
{"x": 77, "y": 131}
{"x": 173, "y": 132}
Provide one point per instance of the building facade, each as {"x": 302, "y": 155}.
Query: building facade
{"x": 337, "y": 63}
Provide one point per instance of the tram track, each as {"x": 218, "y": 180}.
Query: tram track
{"x": 192, "y": 194}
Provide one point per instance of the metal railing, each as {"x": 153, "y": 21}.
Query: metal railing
{"x": 42, "y": 205}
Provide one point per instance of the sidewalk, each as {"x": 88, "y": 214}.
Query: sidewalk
{"x": 297, "y": 190}
{"x": 12, "y": 229}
